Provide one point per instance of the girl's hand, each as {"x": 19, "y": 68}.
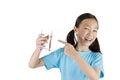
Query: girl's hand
{"x": 68, "y": 49}
{"x": 41, "y": 40}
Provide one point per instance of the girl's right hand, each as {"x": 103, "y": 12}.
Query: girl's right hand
{"x": 41, "y": 40}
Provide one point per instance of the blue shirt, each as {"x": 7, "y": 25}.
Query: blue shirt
{"x": 69, "y": 68}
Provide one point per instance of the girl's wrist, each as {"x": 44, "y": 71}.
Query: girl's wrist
{"x": 38, "y": 49}
{"x": 75, "y": 55}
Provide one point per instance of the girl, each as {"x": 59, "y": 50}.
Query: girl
{"x": 80, "y": 59}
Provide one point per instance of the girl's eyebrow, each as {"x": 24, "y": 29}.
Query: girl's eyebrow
{"x": 90, "y": 26}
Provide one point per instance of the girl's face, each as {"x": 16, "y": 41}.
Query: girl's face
{"x": 87, "y": 32}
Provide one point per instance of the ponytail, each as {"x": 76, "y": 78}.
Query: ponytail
{"x": 71, "y": 38}
{"x": 95, "y": 47}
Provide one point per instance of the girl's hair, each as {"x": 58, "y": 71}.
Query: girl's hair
{"x": 71, "y": 36}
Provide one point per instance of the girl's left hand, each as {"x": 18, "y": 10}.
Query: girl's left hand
{"x": 68, "y": 49}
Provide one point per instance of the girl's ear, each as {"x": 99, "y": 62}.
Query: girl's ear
{"x": 76, "y": 33}
{"x": 75, "y": 29}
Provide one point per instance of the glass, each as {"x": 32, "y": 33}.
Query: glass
{"x": 49, "y": 34}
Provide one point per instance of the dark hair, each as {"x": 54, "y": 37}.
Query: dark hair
{"x": 71, "y": 37}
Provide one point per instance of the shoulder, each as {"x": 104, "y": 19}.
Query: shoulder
{"x": 54, "y": 55}
{"x": 96, "y": 55}
{"x": 58, "y": 52}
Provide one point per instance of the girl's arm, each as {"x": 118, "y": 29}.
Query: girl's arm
{"x": 35, "y": 61}
{"x": 90, "y": 72}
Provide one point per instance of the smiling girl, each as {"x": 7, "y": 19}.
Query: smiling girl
{"x": 80, "y": 58}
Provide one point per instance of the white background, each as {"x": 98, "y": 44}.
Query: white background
{"x": 21, "y": 22}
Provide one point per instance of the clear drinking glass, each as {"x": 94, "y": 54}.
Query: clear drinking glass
{"x": 49, "y": 34}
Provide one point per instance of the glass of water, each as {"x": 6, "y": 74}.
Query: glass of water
{"x": 49, "y": 34}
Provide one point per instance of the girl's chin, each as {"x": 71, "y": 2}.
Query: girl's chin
{"x": 87, "y": 43}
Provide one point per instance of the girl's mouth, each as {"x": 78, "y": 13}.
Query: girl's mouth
{"x": 88, "y": 39}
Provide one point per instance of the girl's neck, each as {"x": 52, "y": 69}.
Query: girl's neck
{"x": 82, "y": 48}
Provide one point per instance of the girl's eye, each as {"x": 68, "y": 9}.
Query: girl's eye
{"x": 94, "y": 30}
{"x": 86, "y": 28}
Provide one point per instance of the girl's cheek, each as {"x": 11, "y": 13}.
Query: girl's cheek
{"x": 82, "y": 34}
{"x": 95, "y": 35}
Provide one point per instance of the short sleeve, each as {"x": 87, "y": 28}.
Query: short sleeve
{"x": 52, "y": 60}
{"x": 98, "y": 63}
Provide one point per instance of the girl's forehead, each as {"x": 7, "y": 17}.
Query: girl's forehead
{"x": 90, "y": 22}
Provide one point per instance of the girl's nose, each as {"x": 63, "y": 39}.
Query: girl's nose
{"x": 90, "y": 33}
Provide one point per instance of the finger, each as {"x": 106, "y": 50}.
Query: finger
{"x": 40, "y": 35}
{"x": 41, "y": 43}
{"x": 62, "y": 41}
{"x": 40, "y": 46}
{"x": 42, "y": 39}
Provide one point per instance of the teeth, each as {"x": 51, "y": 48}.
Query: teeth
{"x": 88, "y": 39}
